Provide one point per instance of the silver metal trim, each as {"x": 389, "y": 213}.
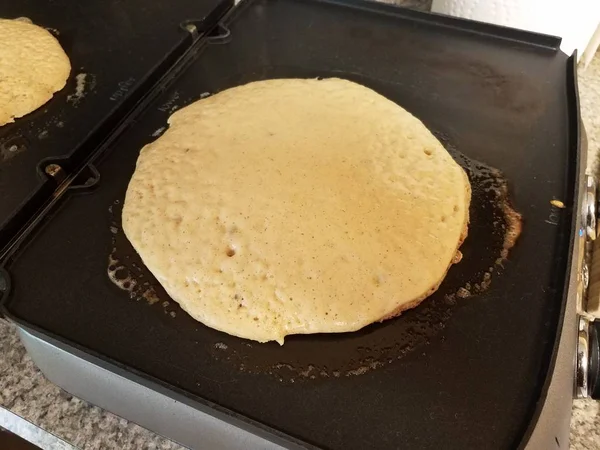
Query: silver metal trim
{"x": 194, "y": 428}
{"x": 589, "y": 232}
{"x": 589, "y": 207}
{"x": 583, "y": 355}
{"x": 584, "y": 243}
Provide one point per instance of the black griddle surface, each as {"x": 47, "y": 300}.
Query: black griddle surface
{"x": 120, "y": 46}
{"x": 475, "y": 383}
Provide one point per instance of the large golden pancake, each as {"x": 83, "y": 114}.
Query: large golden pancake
{"x": 33, "y": 66}
{"x": 296, "y": 206}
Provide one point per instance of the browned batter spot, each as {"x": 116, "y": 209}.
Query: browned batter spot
{"x": 514, "y": 221}
{"x": 463, "y": 293}
{"x": 457, "y": 258}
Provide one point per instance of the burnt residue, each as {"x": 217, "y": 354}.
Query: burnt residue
{"x": 493, "y": 229}
{"x": 490, "y": 193}
{"x": 322, "y": 356}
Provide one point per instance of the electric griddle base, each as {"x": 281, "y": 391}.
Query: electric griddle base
{"x": 476, "y": 383}
{"x": 147, "y": 407}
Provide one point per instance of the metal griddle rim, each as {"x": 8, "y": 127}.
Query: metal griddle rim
{"x": 575, "y": 177}
{"x": 467, "y": 25}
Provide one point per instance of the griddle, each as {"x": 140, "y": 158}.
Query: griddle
{"x": 453, "y": 373}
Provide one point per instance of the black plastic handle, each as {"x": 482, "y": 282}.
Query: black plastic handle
{"x": 594, "y": 360}
{"x": 4, "y": 290}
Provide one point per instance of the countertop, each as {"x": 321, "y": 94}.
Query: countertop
{"x": 24, "y": 392}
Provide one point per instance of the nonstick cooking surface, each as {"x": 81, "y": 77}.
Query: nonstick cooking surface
{"x": 470, "y": 370}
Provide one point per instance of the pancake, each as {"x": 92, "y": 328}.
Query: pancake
{"x": 33, "y": 66}
{"x": 296, "y": 206}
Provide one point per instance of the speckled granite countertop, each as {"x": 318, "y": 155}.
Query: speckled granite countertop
{"x": 25, "y": 392}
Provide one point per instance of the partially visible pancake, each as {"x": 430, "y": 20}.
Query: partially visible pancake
{"x": 33, "y": 66}
{"x": 296, "y": 206}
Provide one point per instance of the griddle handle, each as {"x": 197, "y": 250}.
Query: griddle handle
{"x": 594, "y": 360}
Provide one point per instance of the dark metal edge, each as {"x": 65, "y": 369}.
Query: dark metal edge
{"x": 576, "y": 144}
{"x": 466, "y": 25}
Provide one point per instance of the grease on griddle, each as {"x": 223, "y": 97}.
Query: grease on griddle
{"x": 85, "y": 82}
{"x": 11, "y": 148}
{"x": 119, "y": 275}
{"x": 313, "y": 357}
{"x": 122, "y": 277}
{"x": 493, "y": 230}
{"x": 158, "y": 132}
{"x": 122, "y": 271}
{"x": 490, "y": 188}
